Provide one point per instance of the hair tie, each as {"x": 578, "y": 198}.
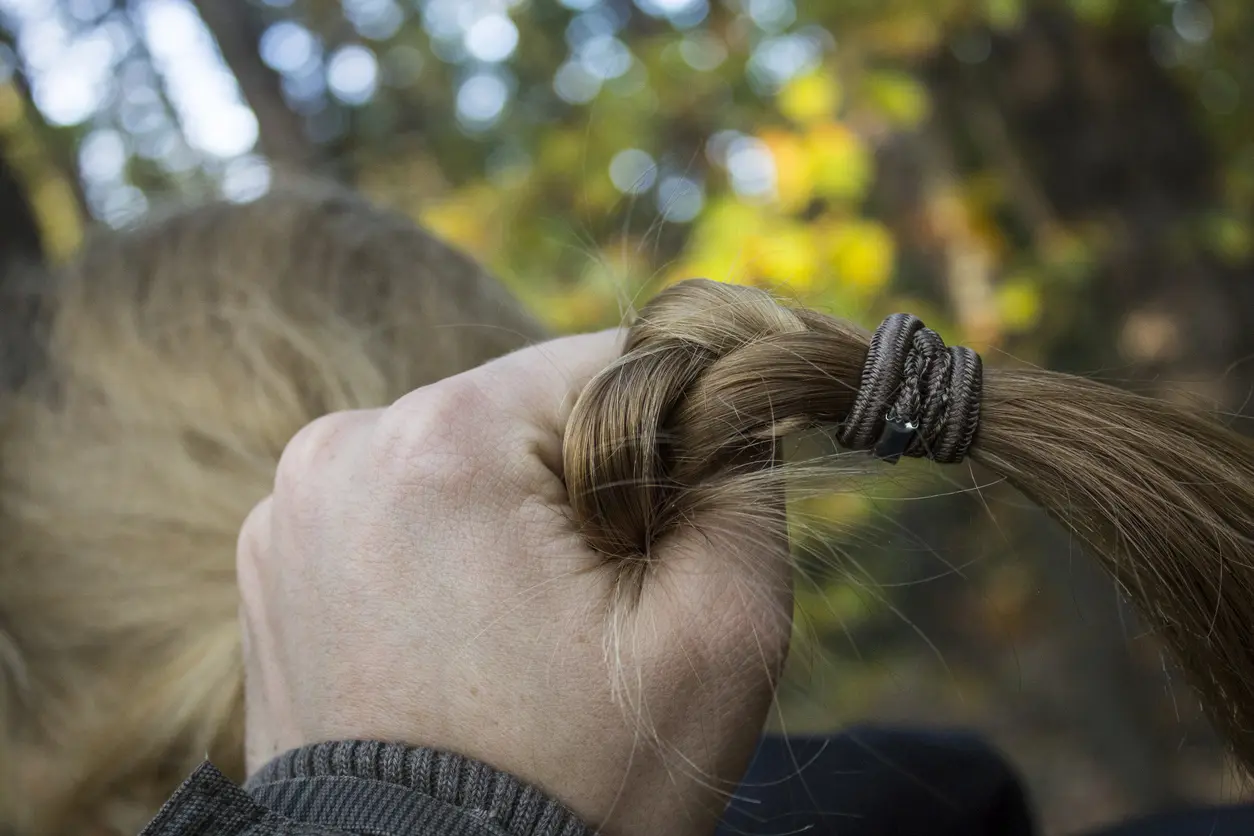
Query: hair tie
{"x": 917, "y": 397}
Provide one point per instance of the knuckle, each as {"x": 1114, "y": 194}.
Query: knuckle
{"x": 434, "y": 426}
{"x": 253, "y": 542}
{"x": 307, "y": 450}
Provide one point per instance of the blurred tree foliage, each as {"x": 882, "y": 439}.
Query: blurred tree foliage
{"x": 1066, "y": 182}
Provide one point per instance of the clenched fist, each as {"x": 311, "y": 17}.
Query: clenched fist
{"x": 416, "y": 576}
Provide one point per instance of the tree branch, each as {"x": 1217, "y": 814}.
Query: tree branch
{"x": 282, "y": 131}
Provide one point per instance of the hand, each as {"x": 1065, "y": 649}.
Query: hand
{"x": 416, "y": 577}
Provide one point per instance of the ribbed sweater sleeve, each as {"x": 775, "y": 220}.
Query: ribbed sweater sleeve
{"x": 363, "y": 787}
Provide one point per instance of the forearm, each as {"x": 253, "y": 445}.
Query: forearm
{"x": 331, "y": 789}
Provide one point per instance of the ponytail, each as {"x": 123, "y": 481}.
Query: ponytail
{"x": 1162, "y": 497}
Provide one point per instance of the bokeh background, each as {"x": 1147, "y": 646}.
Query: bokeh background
{"x": 1065, "y": 182}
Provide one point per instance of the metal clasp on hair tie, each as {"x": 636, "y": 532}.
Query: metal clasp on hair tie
{"x": 895, "y": 439}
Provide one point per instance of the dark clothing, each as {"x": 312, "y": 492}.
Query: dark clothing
{"x": 1232, "y": 820}
{"x": 866, "y": 781}
{"x": 870, "y": 781}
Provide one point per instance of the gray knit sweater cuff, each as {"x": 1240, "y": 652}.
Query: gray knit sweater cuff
{"x": 498, "y": 801}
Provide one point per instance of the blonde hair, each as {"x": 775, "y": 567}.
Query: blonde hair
{"x": 166, "y": 369}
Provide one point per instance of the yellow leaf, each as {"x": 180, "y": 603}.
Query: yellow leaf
{"x": 811, "y": 97}
{"x": 1019, "y": 303}
{"x": 462, "y": 219}
{"x": 862, "y": 255}
{"x": 841, "y": 166}
{"x": 794, "y": 183}
{"x": 724, "y": 228}
{"x": 899, "y": 96}
{"x": 56, "y": 207}
{"x": 787, "y": 254}
{"x": 575, "y": 310}
{"x": 728, "y": 219}
{"x": 717, "y": 247}
{"x": 727, "y": 266}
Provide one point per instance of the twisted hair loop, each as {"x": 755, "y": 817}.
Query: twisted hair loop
{"x": 711, "y": 375}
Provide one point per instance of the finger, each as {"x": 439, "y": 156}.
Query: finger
{"x": 318, "y": 449}
{"x": 542, "y": 382}
{"x": 267, "y": 704}
{"x": 251, "y": 548}
{"x": 250, "y": 551}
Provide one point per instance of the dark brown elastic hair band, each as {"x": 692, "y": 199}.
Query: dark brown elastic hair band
{"x": 917, "y": 397}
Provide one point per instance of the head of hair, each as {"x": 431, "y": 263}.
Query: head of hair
{"x": 1161, "y": 496}
{"x": 167, "y": 367}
